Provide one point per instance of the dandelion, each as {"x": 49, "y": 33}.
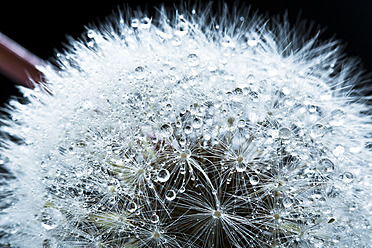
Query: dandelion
{"x": 190, "y": 130}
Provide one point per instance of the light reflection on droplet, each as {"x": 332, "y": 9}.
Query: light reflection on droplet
{"x": 254, "y": 180}
{"x": 170, "y": 195}
{"x": 193, "y": 60}
{"x": 163, "y": 175}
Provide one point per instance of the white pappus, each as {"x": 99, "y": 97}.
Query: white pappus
{"x": 190, "y": 130}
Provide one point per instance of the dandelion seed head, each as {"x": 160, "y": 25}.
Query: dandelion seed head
{"x": 190, "y": 130}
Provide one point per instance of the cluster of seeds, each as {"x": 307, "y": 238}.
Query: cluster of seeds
{"x": 191, "y": 134}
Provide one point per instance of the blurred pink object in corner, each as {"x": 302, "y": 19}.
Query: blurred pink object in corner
{"x": 19, "y": 64}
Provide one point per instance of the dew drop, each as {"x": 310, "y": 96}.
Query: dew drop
{"x": 166, "y": 130}
{"x": 182, "y": 29}
{"x": 163, "y": 175}
{"x": 154, "y": 218}
{"x": 193, "y": 60}
{"x": 188, "y": 130}
{"x": 285, "y": 133}
{"x": 135, "y": 23}
{"x": 338, "y": 151}
{"x": 252, "y": 43}
{"x": 48, "y": 226}
{"x": 241, "y": 123}
{"x": 145, "y": 23}
{"x": 240, "y": 167}
{"x": 132, "y": 206}
{"x": 287, "y": 202}
{"x": 170, "y": 195}
{"x": 254, "y": 180}
{"x": 176, "y": 40}
{"x": 347, "y": 177}
{"x": 140, "y": 72}
{"x": 182, "y": 189}
{"x": 91, "y": 33}
{"x": 326, "y": 165}
{"x": 197, "y": 123}
{"x": 317, "y": 131}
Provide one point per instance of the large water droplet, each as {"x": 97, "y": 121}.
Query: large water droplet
{"x": 166, "y": 130}
{"x": 140, "y": 72}
{"x": 285, "y": 133}
{"x": 241, "y": 123}
{"x": 48, "y": 225}
{"x": 197, "y": 123}
{"x": 182, "y": 29}
{"x": 170, "y": 195}
{"x": 154, "y": 218}
{"x": 188, "y": 130}
{"x": 317, "y": 131}
{"x": 135, "y": 23}
{"x": 145, "y": 23}
{"x": 163, "y": 175}
{"x": 347, "y": 177}
{"x": 338, "y": 151}
{"x": 91, "y": 33}
{"x": 239, "y": 165}
{"x": 193, "y": 60}
{"x": 254, "y": 180}
{"x": 326, "y": 166}
{"x": 132, "y": 206}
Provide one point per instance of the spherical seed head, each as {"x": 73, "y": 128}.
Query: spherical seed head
{"x": 162, "y": 126}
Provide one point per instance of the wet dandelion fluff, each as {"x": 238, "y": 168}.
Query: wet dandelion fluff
{"x": 190, "y": 130}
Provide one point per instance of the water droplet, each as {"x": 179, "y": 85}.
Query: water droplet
{"x": 176, "y": 40}
{"x": 140, "y": 72}
{"x": 338, "y": 151}
{"x": 154, "y": 218}
{"x": 347, "y": 177}
{"x": 145, "y": 23}
{"x": 337, "y": 117}
{"x": 193, "y": 60}
{"x": 317, "y": 131}
{"x": 166, "y": 130}
{"x": 239, "y": 165}
{"x": 135, "y": 23}
{"x": 197, "y": 123}
{"x": 254, "y": 180}
{"x": 132, "y": 206}
{"x": 188, "y": 130}
{"x": 182, "y": 189}
{"x": 170, "y": 195}
{"x": 182, "y": 29}
{"x": 241, "y": 123}
{"x": 48, "y": 225}
{"x": 326, "y": 166}
{"x": 91, "y": 34}
{"x": 252, "y": 43}
{"x": 163, "y": 175}
{"x": 287, "y": 202}
{"x": 285, "y": 133}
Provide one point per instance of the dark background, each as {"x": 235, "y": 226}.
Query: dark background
{"x": 42, "y": 28}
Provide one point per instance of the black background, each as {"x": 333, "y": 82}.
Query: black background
{"x": 42, "y": 27}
